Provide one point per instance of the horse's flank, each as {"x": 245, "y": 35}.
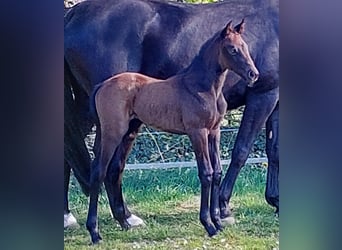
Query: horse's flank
{"x": 155, "y": 102}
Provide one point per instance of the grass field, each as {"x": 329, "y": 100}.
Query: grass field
{"x": 168, "y": 201}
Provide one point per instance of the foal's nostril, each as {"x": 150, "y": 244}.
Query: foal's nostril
{"x": 252, "y": 75}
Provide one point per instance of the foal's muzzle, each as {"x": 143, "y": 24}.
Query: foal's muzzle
{"x": 252, "y": 77}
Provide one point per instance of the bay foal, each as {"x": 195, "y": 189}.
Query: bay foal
{"x": 190, "y": 103}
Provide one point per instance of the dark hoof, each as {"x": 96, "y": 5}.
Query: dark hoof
{"x": 218, "y": 224}
{"x": 213, "y": 233}
{"x": 225, "y": 210}
{"x": 125, "y": 226}
{"x": 96, "y": 239}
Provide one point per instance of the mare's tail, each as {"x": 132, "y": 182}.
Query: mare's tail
{"x": 76, "y": 154}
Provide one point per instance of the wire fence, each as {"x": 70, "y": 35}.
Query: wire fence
{"x": 161, "y": 150}
{"x": 159, "y": 161}
{"x": 190, "y": 164}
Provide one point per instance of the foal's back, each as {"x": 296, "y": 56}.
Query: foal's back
{"x": 155, "y": 102}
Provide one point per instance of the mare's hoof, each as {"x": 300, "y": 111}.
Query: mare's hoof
{"x": 135, "y": 221}
{"x": 230, "y": 220}
{"x": 70, "y": 221}
{"x": 277, "y": 212}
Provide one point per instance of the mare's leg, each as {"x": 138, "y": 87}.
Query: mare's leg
{"x": 113, "y": 180}
{"x": 214, "y": 152}
{"x": 272, "y": 151}
{"x": 199, "y": 141}
{"x": 73, "y": 158}
{"x": 67, "y": 171}
{"x": 69, "y": 219}
{"x": 258, "y": 108}
{"x": 75, "y": 153}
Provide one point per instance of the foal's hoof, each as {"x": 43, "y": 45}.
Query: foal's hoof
{"x": 211, "y": 230}
{"x": 96, "y": 239}
{"x": 230, "y": 220}
{"x": 125, "y": 225}
{"x": 217, "y": 223}
{"x": 212, "y": 233}
{"x": 219, "y": 226}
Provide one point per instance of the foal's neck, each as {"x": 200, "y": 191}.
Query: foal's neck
{"x": 205, "y": 72}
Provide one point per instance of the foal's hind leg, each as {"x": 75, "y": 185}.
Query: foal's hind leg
{"x": 116, "y": 201}
{"x": 199, "y": 140}
{"x": 214, "y": 152}
{"x": 111, "y": 136}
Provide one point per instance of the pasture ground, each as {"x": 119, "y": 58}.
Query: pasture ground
{"x": 168, "y": 201}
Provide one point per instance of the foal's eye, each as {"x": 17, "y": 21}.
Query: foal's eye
{"x": 233, "y": 51}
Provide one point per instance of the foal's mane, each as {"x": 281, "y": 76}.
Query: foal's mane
{"x": 202, "y": 69}
{"x": 201, "y": 56}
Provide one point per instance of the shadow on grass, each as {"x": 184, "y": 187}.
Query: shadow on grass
{"x": 159, "y": 227}
{"x": 256, "y": 219}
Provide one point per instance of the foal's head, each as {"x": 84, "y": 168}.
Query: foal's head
{"x": 234, "y": 53}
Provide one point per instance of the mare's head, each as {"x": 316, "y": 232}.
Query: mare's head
{"x": 234, "y": 53}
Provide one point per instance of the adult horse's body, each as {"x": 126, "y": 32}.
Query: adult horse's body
{"x": 191, "y": 103}
{"x": 103, "y": 38}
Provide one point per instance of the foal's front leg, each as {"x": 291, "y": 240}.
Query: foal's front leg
{"x": 199, "y": 140}
{"x": 214, "y": 152}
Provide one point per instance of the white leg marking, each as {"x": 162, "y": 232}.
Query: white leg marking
{"x": 228, "y": 221}
{"x": 270, "y": 135}
{"x": 135, "y": 221}
{"x": 70, "y": 221}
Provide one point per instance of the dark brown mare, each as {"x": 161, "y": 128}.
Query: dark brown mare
{"x": 190, "y": 103}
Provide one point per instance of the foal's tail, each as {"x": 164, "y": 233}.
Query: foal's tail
{"x": 92, "y": 105}
{"x": 94, "y": 117}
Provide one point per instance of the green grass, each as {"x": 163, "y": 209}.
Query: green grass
{"x": 168, "y": 201}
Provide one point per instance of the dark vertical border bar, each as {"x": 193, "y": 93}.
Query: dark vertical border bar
{"x": 310, "y": 127}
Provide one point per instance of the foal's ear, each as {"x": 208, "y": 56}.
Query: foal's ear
{"x": 240, "y": 28}
{"x": 227, "y": 29}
